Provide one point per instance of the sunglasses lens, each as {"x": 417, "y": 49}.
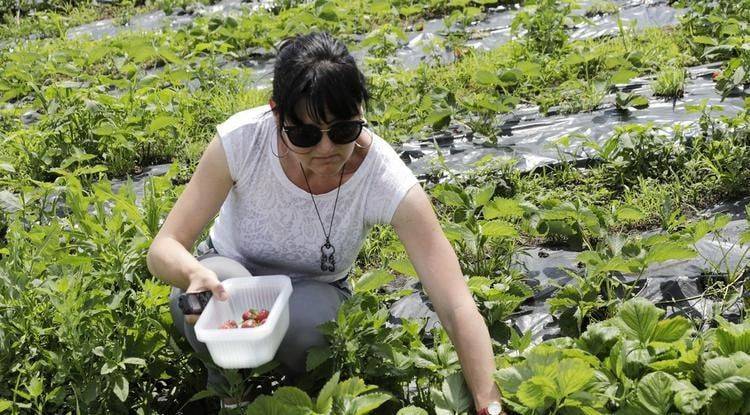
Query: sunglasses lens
{"x": 345, "y": 132}
{"x": 304, "y": 135}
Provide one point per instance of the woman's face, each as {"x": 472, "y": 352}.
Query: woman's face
{"x": 325, "y": 158}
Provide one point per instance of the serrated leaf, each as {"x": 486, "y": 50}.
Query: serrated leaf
{"x": 456, "y": 393}
{"x": 718, "y": 369}
{"x": 498, "y": 229}
{"x": 266, "y": 405}
{"x": 671, "y": 330}
{"x": 655, "y": 392}
{"x": 373, "y": 280}
{"x": 483, "y": 196}
{"x": 369, "y": 402}
{"x": 639, "y": 318}
{"x": 293, "y": 397}
{"x": 668, "y": 251}
{"x": 535, "y": 392}
{"x": 325, "y": 397}
{"x": 572, "y": 376}
{"x": 503, "y": 208}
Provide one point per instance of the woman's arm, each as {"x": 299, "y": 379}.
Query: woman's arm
{"x": 438, "y": 269}
{"x": 169, "y": 257}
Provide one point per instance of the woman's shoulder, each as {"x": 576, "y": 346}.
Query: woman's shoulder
{"x": 241, "y": 121}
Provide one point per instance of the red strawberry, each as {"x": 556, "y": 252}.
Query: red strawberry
{"x": 229, "y": 324}
{"x": 262, "y": 315}
{"x": 248, "y": 324}
{"x": 249, "y": 314}
{"x": 715, "y": 75}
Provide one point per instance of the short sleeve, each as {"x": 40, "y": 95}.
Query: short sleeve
{"x": 238, "y": 135}
{"x": 392, "y": 180}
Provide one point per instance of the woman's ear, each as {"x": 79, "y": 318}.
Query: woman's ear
{"x": 272, "y": 104}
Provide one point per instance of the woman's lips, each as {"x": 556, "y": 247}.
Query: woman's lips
{"x": 326, "y": 158}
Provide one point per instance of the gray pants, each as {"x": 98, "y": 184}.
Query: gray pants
{"x": 311, "y": 304}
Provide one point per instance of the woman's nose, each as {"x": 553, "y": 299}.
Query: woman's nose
{"x": 326, "y": 145}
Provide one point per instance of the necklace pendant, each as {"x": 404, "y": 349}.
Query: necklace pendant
{"x": 327, "y": 259}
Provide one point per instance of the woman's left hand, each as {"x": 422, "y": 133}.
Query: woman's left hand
{"x": 439, "y": 272}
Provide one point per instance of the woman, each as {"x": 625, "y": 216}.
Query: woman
{"x": 298, "y": 184}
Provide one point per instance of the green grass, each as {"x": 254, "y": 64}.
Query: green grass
{"x": 669, "y": 83}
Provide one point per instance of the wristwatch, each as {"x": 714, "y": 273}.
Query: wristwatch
{"x": 193, "y": 303}
{"x": 493, "y": 408}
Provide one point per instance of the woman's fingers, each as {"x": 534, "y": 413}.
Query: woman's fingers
{"x": 205, "y": 280}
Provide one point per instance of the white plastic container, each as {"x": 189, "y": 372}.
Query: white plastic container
{"x": 249, "y": 347}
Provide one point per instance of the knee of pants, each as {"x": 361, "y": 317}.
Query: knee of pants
{"x": 293, "y": 350}
{"x": 312, "y": 303}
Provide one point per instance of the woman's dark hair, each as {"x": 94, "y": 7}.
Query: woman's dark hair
{"x": 317, "y": 67}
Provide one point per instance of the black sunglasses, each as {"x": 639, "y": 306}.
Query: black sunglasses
{"x": 342, "y": 132}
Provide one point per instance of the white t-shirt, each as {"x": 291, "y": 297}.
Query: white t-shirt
{"x": 269, "y": 224}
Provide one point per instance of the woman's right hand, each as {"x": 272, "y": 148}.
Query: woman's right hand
{"x": 205, "y": 280}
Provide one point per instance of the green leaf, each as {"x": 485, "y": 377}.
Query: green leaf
{"x": 134, "y": 361}
{"x": 745, "y": 237}
{"x": 316, "y": 356}
{"x": 535, "y": 392}
{"x": 629, "y": 213}
{"x": 367, "y": 403}
{"x": 688, "y": 399}
{"x": 486, "y": 78}
{"x": 451, "y": 198}
{"x": 639, "y": 102}
{"x": 668, "y": 251}
{"x": 373, "y": 280}
{"x": 498, "y": 229}
{"x": 293, "y": 397}
{"x": 161, "y": 122}
{"x": 411, "y": 410}
{"x": 573, "y": 375}
{"x": 5, "y": 405}
{"x": 35, "y": 387}
{"x": 202, "y": 395}
{"x": 623, "y": 76}
{"x": 481, "y": 198}
{"x": 456, "y": 393}
{"x": 639, "y": 318}
{"x": 509, "y": 379}
{"x": 121, "y": 388}
{"x": 503, "y": 208}
{"x": 655, "y": 392}
{"x": 733, "y": 338}
{"x": 108, "y": 368}
{"x": 439, "y": 119}
{"x": 170, "y": 56}
{"x": 705, "y": 40}
{"x": 671, "y": 330}
{"x": 266, "y": 405}
{"x": 325, "y": 397}
{"x": 718, "y": 369}
{"x": 403, "y": 266}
